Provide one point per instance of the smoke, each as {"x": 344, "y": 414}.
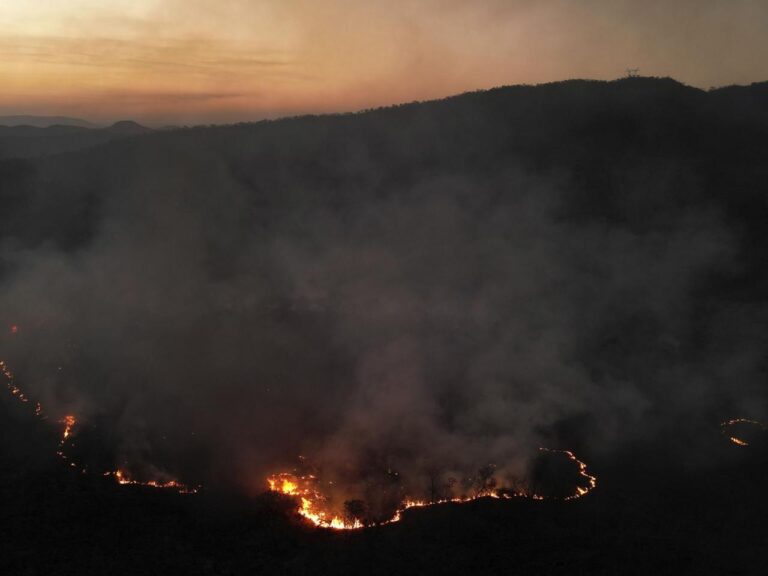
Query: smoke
{"x": 228, "y": 305}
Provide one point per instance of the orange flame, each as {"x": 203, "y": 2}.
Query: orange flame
{"x": 69, "y": 423}
{"x": 123, "y": 478}
{"x": 312, "y": 503}
{"x": 311, "y": 500}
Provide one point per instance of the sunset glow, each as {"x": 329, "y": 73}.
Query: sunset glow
{"x": 200, "y": 61}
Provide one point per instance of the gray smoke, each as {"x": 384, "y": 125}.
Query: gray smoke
{"x": 223, "y": 325}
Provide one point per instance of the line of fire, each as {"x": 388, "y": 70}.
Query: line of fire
{"x": 311, "y": 495}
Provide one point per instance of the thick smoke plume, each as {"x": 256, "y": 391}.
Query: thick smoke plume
{"x": 419, "y": 291}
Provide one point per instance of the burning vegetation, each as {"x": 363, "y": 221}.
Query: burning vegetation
{"x": 315, "y": 505}
{"x": 69, "y": 423}
{"x": 11, "y": 384}
{"x": 312, "y": 495}
{"x": 123, "y": 478}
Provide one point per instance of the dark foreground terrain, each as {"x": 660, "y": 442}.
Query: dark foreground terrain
{"x": 646, "y": 517}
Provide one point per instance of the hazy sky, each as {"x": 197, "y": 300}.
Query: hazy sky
{"x": 224, "y": 60}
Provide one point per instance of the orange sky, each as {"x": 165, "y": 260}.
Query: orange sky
{"x": 225, "y": 60}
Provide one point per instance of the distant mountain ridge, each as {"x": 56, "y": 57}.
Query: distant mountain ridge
{"x": 128, "y": 127}
{"x": 29, "y": 141}
{"x": 44, "y": 121}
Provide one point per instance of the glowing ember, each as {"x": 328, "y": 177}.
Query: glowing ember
{"x": 70, "y": 421}
{"x": 11, "y": 384}
{"x": 726, "y": 426}
{"x": 14, "y": 329}
{"x": 124, "y": 479}
{"x": 313, "y": 504}
{"x": 591, "y": 480}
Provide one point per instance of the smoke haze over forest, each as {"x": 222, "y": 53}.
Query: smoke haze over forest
{"x": 445, "y": 284}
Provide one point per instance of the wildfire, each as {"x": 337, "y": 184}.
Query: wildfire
{"x": 69, "y": 422}
{"x": 728, "y": 424}
{"x": 11, "y": 384}
{"x": 311, "y": 500}
{"x": 124, "y": 479}
{"x": 313, "y": 504}
{"x": 590, "y": 479}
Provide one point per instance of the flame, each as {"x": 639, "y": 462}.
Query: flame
{"x": 591, "y": 480}
{"x": 124, "y": 479}
{"x": 311, "y": 500}
{"x": 313, "y": 504}
{"x": 10, "y": 382}
{"x": 70, "y": 421}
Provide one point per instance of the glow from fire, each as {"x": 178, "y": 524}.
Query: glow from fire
{"x": 313, "y": 504}
{"x": 11, "y": 383}
{"x": 726, "y": 426}
{"x": 124, "y": 479}
{"x": 69, "y": 422}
